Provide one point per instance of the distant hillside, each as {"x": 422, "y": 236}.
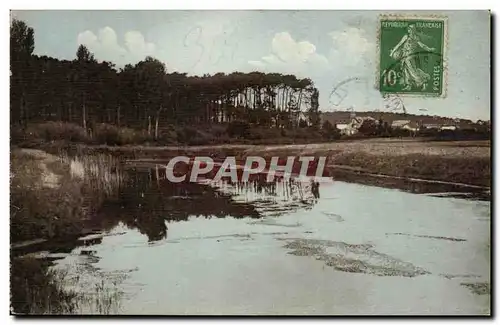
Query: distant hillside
{"x": 342, "y": 116}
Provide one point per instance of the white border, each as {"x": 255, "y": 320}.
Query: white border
{"x": 190, "y": 4}
{"x": 256, "y": 4}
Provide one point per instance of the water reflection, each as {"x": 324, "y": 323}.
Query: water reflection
{"x": 148, "y": 200}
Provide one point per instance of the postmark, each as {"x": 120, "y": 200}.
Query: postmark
{"x": 394, "y": 103}
{"x": 412, "y": 55}
{"x": 340, "y": 90}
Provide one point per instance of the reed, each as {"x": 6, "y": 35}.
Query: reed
{"x": 52, "y": 195}
{"x": 37, "y": 289}
{"x": 100, "y": 175}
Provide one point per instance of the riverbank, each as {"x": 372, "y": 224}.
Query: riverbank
{"x": 51, "y": 196}
{"x": 453, "y": 162}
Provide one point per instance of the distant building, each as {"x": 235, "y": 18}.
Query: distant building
{"x": 412, "y": 126}
{"x": 448, "y": 127}
{"x": 405, "y": 125}
{"x": 432, "y": 126}
{"x": 399, "y": 124}
{"x": 341, "y": 126}
{"x": 346, "y": 128}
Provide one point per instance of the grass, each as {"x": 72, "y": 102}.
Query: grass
{"x": 50, "y": 196}
{"x": 467, "y": 170}
{"x": 36, "y": 289}
{"x": 38, "y": 134}
{"x": 37, "y": 208}
{"x": 101, "y": 300}
{"x": 100, "y": 177}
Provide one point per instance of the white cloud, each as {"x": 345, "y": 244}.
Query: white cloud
{"x": 137, "y": 45}
{"x": 105, "y": 45}
{"x": 289, "y": 55}
{"x": 351, "y": 47}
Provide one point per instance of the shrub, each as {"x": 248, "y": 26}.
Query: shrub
{"x": 218, "y": 130}
{"x": 329, "y": 131}
{"x": 168, "y": 135}
{"x": 115, "y": 136}
{"x": 303, "y": 124}
{"x": 192, "y": 135}
{"x": 398, "y": 132}
{"x": 107, "y": 134}
{"x": 264, "y": 133}
{"x": 307, "y": 133}
{"x": 238, "y": 129}
{"x": 56, "y": 131}
{"x": 17, "y": 135}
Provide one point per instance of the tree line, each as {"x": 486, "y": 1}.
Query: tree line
{"x": 145, "y": 95}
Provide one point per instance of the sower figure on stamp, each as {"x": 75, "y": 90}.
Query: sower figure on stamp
{"x": 407, "y": 51}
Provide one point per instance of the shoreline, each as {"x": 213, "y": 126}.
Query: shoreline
{"x": 455, "y": 163}
{"x": 366, "y": 162}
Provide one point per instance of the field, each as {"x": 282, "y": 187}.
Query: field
{"x": 397, "y": 147}
{"x": 372, "y": 146}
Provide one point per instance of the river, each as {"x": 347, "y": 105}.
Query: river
{"x": 281, "y": 248}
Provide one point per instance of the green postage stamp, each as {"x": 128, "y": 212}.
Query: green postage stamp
{"x": 412, "y": 55}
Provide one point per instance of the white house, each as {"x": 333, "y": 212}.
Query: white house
{"x": 432, "y": 126}
{"x": 399, "y": 124}
{"x": 449, "y": 127}
{"x": 412, "y": 126}
{"x": 405, "y": 125}
{"x": 341, "y": 126}
{"x": 346, "y": 128}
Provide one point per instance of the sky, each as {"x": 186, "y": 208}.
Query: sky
{"x": 328, "y": 47}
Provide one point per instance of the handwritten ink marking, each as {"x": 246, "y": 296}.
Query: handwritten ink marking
{"x": 394, "y": 102}
{"x": 227, "y": 42}
{"x": 196, "y": 30}
{"x": 229, "y": 45}
{"x": 220, "y": 54}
